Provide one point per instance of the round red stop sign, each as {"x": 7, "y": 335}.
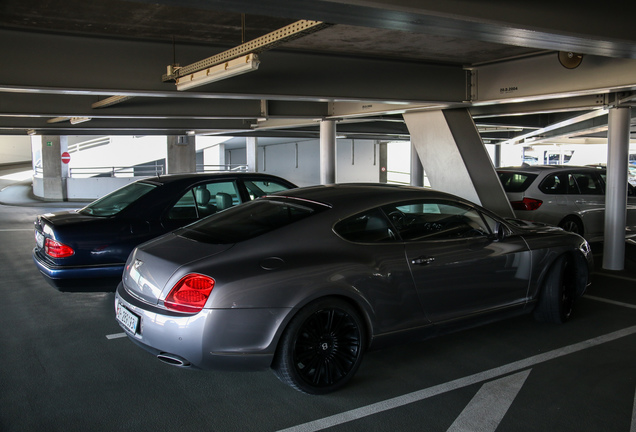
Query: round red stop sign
{"x": 66, "y": 158}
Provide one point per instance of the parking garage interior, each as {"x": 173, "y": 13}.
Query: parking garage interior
{"x": 461, "y": 83}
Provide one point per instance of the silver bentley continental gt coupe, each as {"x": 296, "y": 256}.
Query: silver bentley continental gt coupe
{"x": 304, "y": 281}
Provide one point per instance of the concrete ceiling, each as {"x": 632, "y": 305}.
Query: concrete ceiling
{"x": 375, "y": 61}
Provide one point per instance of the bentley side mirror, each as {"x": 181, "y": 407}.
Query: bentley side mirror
{"x": 500, "y": 232}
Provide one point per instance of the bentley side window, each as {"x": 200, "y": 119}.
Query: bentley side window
{"x": 368, "y": 227}
{"x": 436, "y": 220}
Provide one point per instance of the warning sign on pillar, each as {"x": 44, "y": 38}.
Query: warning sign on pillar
{"x": 66, "y": 157}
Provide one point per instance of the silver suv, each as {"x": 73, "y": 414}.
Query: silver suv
{"x": 571, "y": 197}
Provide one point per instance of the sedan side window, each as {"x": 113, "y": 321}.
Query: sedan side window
{"x": 258, "y": 188}
{"x": 554, "y": 184}
{"x": 429, "y": 220}
{"x": 588, "y": 184}
{"x": 204, "y": 200}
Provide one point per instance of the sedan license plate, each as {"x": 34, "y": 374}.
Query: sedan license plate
{"x": 128, "y": 319}
{"x": 39, "y": 239}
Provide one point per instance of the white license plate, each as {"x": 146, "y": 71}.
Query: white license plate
{"x": 127, "y": 318}
{"x": 39, "y": 239}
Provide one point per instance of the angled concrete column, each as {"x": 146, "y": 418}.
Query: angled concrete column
{"x": 417, "y": 170}
{"x": 616, "y": 194}
{"x": 181, "y": 154}
{"x": 327, "y": 152}
{"x": 54, "y": 172}
{"x": 455, "y": 159}
{"x": 251, "y": 148}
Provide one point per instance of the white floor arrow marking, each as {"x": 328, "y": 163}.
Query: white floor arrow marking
{"x": 486, "y": 410}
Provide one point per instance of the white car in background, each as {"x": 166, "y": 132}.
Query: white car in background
{"x": 631, "y": 175}
{"x": 570, "y": 197}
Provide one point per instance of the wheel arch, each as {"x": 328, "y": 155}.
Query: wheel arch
{"x": 577, "y": 219}
{"x": 581, "y": 271}
{"x": 357, "y": 302}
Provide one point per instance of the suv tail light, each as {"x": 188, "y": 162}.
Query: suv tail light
{"x": 526, "y": 204}
{"x": 55, "y": 249}
{"x": 190, "y": 293}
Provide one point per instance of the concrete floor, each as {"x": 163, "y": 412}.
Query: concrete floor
{"x": 64, "y": 368}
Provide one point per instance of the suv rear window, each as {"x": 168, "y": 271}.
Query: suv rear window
{"x": 249, "y": 220}
{"x": 515, "y": 181}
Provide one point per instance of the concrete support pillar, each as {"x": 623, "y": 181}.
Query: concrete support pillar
{"x": 54, "y": 172}
{"x": 616, "y": 194}
{"x": 417, "y": 170}
{"x": 455, "y": 159}
{"x": 327, "y": 152}
{"x": 251, "y": 147}
{"x": 383, "y": 153}
{"x": 220, "y": 154}
{"x": 497, "y": 155}
{"x": 182, "y": 156}
{"x": 214, "y": 155}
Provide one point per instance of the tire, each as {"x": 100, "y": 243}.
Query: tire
{"x": 556, "y": 300}
{"x": 572, "y": 224}
{"x": 321, "y": 348}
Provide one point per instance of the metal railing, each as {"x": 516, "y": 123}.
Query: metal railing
{"x": 226, "y": 167}
{"x": 398, "y": 177}
{"x": 138, "y": 171}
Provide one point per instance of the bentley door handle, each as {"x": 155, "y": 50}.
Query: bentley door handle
{"x": 422, "y": 260}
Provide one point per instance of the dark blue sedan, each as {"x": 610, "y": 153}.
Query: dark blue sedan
{"x": 86, "y": 249}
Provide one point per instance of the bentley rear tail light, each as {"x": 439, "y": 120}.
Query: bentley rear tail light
{"x": 190, "y": 293}
{"x": 526, "y": 204}
{"x": 55, "y": 249}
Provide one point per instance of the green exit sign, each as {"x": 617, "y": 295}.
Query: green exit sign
{"x": 49, "y": 143}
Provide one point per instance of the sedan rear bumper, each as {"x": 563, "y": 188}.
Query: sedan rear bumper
{"x": 79, "y": 278}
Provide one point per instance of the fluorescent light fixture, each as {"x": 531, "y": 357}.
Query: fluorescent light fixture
{"x": 110, "y": 101}
{"x": 76, "y": 120}
{"x": 57, "y": 119}
{"x": 219, "y": 72}
{"x": 30, "y": 132}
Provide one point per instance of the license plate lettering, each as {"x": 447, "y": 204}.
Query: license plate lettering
{"x": 128, "y": 319}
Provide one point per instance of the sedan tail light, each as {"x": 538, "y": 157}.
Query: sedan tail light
{"x": 190, "y": 293}
{"x": 526, "y": 204}
{"x": 55, "y": 249}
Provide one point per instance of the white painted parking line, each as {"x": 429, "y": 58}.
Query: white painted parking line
{"x": 489, "y": 406}
{"x": 358, "y": 413}
{"x": 614, "y": 302}
{"x": 609, "y": 275}
{"x": 633, "y": 428}
{"x": 116, "y": 336}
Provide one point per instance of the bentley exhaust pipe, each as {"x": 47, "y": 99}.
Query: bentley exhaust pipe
{"x": 173, "y": 360}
